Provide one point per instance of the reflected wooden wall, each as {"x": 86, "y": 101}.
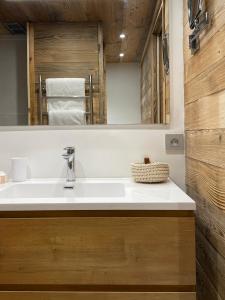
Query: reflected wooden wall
{"x": 154, "y": 81}
{"x": 65, "y": 50}
{"x": 205, "y": 148}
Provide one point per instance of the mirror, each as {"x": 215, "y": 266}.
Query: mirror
{"x": 99, "y": 62}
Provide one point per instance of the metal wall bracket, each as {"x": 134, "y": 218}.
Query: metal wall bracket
{"x": 201, "y": 23}
{"x": 165, "y": 46}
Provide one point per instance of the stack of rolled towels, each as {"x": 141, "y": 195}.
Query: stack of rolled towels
{"x": 66, "y": 101}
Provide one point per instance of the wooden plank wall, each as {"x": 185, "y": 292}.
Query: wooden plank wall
{"x": 205, "y": 148}
{"x": 148, "y": 83}
{"x": 150, "y": 66}
{"x": 65, "y": 50}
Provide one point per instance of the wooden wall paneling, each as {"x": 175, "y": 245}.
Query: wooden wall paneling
{"x": 205, "y": 167}
{"x": 216, "y": 9}
{"x": 202, "y": 67}
{"x": 149, "y": 93}
{"x": 154, "y": 90}
{"x": 207, "y": 180}
{"x": 210, "y": 221}
{"x": 207, "y": 83}
{"x": 129, "y": 19}
{"x": 132, "y": 17}
{"x": 212, "y": 52}
{"x": 101, "y": 69}
{"x": 213, "y": 262}
{"x": 148, "y": 85}
{"x": 150, "y": 70}
{"x": 205, "y": 288}
{"x": 206, "y": 113}
{"x": 32, "y": 103}
{"x": 67, "y": 50}
{"x": 148, "y": 82}
{"x": 102, "y": 251}
{"x": 95, "y": 296}
{"x": 206, "y": 146}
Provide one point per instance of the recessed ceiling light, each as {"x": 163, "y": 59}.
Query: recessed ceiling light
{"x": 121, "y": 54}
{"x": 122, "y": 36}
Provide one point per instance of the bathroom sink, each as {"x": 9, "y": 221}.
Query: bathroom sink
{"x": 92, "y": 194}
{"x": 57, "y": 190}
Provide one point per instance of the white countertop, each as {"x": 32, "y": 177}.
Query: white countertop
{"x": 130, "y": 195}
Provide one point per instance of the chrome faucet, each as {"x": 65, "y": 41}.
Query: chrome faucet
{"x": 69, "y": 156}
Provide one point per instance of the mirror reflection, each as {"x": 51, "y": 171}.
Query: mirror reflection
{"x": 84, "y": 62}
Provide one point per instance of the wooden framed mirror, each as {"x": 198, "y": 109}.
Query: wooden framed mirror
{"x": 101, "y": 63}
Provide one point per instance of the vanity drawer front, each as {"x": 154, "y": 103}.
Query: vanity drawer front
{"x": 98, "y": 251}
{"x": 95, "y": 296}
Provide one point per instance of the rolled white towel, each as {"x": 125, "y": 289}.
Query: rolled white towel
{"x": 66, "y": 104}
{"x": 66, "y": 117}
{"x": 65, "y": 87}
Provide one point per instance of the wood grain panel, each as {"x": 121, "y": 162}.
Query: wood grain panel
{"x": 95, "y": 296}
{"x": 102, "y": 75}
{"x": 212, "y": 52}
{"x": 206, "y": 113}
{"x": 207, "y": 146}
{"x": 216, "y": 10}
{"x": 149, "y": 84}
{"x": 205, "y": 123}
{"x": 207, "y": 180}
{"x": 213, "y": 263}
{"x": 154, "y": 81}
{"x": 68, "y": 55}
{"x": 210, "y": 221}
{"x": 207, "y": 83}
{"x": 32, "y": 100}
{"x": 98, "y": 251}
{"x": 132, "y": 17}
{"x": 63, "y": 50}
{"x": 205, "y": 288}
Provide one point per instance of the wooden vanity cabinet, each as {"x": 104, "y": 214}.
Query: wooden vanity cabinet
{"x": 97, "y": 255}
{"x": 94, "y": 296}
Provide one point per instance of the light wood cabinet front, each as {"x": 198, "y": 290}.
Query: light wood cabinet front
{"x": 147, "y": 251}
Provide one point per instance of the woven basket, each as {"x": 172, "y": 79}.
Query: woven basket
{"x": 148, "y": 173}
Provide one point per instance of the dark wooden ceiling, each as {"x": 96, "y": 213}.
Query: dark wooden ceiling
{"x": 130, "y": 16}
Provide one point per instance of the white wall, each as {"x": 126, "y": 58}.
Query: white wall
{"x": 176, "y": 64}
{"x": 106, "y": 153}
{"x": 13, "y": 81}
{"x": 99, "y": 153}
{"x": 123, "y": 93}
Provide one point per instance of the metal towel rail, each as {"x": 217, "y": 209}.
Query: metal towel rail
{"x": 89, "y": 105}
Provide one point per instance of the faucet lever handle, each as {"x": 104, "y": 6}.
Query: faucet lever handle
{"x": 70, "y": 150}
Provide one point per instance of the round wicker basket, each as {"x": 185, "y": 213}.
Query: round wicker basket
{"x": 149, "y": 173}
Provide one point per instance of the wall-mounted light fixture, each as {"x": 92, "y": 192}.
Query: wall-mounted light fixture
{"x": 198, "y": 21}
{"x": 121, "y": 55}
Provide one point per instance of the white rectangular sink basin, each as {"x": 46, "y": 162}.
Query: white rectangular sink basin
{"x": 92, "y": 194}
{"x": 57, "y": 190}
